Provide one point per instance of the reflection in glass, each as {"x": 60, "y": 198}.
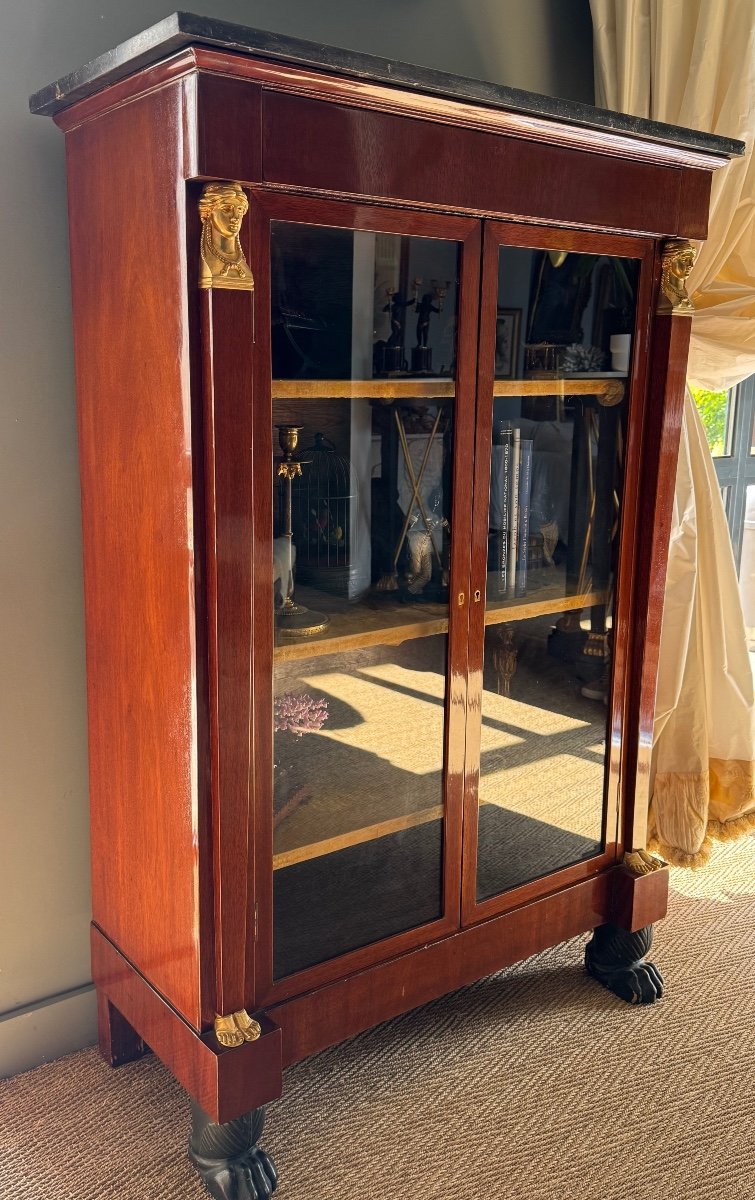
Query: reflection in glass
{"x": 364, "y": 338}
{"x": 562, "y": 358}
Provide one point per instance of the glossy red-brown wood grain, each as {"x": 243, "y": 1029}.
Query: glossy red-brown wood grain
{"x": 629, "y": 586}
{"x": 229, "y": 1082}
{"x": 638, "y": 900}
{"x": 694, "y": 203}
{"x": 178, "y": 69}
{"x": 313, "y": 144}
{"x": 346, "y": 1007}
{"x": 135, "y": 447}
{"x": 261, "y": 728}
{"x": 202, "y": 529}
{"x": 228, "y": 129}
{"x": 227, "y": 318}
{"x": 226, "y": 1081}
{"x": 669, "y": 348}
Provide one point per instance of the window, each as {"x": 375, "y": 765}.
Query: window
{"x": 729, "y": 421}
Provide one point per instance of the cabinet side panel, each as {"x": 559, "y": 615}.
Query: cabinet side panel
{"x": 127, "y": 230}
{"x": 695, "y": 203}
{"x": 669, "y": 350}
{"x": 229, "y": 145}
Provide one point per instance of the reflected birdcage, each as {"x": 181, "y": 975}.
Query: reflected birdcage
{"x": 325, "y": 519}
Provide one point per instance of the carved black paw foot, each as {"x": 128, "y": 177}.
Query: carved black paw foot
{"x": 642, "y": 984}
{"x": 615, "y": 958}
{"x": 228, "y": 1159}
{"x": 252, "y": 1177}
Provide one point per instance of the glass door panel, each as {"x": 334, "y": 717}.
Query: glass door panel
{"x": 363, "y": 396}
{"x": 562, "y": 359}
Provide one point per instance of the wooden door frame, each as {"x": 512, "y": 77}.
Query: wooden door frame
{"x": 268, "y": 205}
{"x": 497, "y": 234}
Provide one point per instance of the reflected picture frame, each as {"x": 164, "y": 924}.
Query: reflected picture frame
{"x": 507, "y": 325}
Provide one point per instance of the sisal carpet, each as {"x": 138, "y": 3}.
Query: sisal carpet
{"x": 535, "y": 1084}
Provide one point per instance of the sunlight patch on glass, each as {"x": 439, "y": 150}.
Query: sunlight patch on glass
{"x": 528, "y": 717}
{"x": 404, "y": 730}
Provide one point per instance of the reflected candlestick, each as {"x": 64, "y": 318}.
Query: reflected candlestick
{"x": 294, "y": 620}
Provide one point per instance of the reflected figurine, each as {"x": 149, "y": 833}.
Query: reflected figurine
{"x": 390, "y": 360}
{"x": 422, "y": 355}
{"x": 503, "y": 657}
{"x": 292, "y": 619}
{"x": 396, "y": 306}
{"x": 423, "y": 543}
{"x": 425, "y": 306}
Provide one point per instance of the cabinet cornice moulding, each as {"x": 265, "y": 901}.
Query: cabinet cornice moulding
{"x": 220, "y": 45}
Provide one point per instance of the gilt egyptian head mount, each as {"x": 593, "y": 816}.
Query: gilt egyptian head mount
{"x": 678, "y": 259}
{"x": 222, "y": 208}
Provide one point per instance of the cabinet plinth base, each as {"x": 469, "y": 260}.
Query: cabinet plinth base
{"x": 227, "y": 1082}
{"x": 118, "y": 1040}
{"x": 228, "y": 1158}
{"x": 616, "y": 959}
{"x": 639, "y": 900}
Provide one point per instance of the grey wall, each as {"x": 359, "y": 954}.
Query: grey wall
{"x": 46, "y": 1006}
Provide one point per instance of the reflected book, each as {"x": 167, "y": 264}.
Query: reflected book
{"x": 523, "y": 522}
{"x": 516, "y": 445}
{"x": 500, "y": 503}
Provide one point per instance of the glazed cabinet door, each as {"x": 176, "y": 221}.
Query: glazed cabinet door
{"x": 363, "y": 453}
{"x": 557, "y": 444}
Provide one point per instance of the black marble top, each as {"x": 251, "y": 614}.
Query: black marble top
{"x": 176, "y": 32}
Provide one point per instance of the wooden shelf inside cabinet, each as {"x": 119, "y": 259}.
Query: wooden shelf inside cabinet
{"x": 378, "y": 621}
{"x": 609, "y": 386}
{"x": 548, "y": 598}
{"x": 384, "y": 621}
{"x": 420, "y": 387}
{"x": 388, "y": 389}
{"x": 356, "y": 837}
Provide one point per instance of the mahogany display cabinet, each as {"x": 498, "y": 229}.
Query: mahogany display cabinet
{"x": 380, "y": 377}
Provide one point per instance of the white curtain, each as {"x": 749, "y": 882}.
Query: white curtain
{"x": 692, "y": 63}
